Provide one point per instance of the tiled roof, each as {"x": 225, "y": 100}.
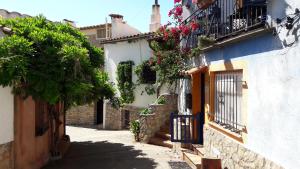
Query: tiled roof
{"x": 12, "y": 14}
{"x": 148, "y": 35}
{"x": 93, "y": 26}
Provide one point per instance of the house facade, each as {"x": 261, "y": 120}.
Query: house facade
{"x": 122, "y": 43}
{"x": 126, "y": 44}
{"x": 243, "y": 83}
{"x": 26, "y": 129}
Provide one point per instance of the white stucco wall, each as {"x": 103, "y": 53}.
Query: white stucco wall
{"x": 6, "y": 115}
{"x": 121, "y": 28}
{"x": 137, "y": 51}
{"x": 274, "y": 102}
{"x": 274, "y": 106}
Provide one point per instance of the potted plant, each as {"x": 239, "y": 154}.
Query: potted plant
{"x": 135, "y": 129}
{"x": 203, "y": 3}
{"x": 205, "y": 41}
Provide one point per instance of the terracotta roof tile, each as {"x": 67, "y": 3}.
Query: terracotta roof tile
{"x": 148, "y": 35}
{"x": 93, "y": 26}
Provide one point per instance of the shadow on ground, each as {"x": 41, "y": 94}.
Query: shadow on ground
{"x": 102, "y": 155}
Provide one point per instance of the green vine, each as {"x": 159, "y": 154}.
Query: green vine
{"x": 125, "y": 84}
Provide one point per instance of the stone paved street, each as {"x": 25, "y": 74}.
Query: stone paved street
{"x": 101, "y": 149}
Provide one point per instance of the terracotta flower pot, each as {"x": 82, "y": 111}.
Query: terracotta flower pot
{"x": 204, "y": 3}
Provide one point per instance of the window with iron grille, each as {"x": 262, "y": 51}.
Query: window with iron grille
{"x": 228, "y": 100}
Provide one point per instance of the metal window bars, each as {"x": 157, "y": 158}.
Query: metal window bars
{"x": 228, "y": 100}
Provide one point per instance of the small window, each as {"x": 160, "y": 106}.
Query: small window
{"x": 41, "y": 118}
{"x": 148, "y": 75}
{"x": 101, "y": 33}
{"x": 228, "y": 100}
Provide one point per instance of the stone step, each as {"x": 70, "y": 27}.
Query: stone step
{"x": 161, "y": 142}
{"x": 163, "y": 135}
{"x": 199, "y": 149}
{"x": 192, "y": 159}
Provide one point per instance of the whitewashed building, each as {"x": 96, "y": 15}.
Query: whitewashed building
{"x": 247, "y": 83}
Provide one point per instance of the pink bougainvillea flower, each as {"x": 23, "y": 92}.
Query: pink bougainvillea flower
{"x": 158, "y": 60}
{"x": 178, "y": 10}
{"x": 170, "y": 13}
{"x": 166, "y": 35}
{"x": 179, "y": 19}
{"x": 194, "y": 25}
{"x": 175, "y": 32}
{"x": 162, "y": 29}
{"x": 185, "y": 30}
{"x": 177, "y": 1}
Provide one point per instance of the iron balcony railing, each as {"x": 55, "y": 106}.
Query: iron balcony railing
{"x": 227, "y": 18}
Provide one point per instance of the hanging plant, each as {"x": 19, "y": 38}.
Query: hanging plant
{"x": 125, "y": 84}
{"x": 205, "y": 41}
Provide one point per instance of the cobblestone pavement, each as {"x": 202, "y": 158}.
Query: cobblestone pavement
{"x": 101, "y": 149}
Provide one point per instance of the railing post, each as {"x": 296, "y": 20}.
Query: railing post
{"x": 172, "y": 126}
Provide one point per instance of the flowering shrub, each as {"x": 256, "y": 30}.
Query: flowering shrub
{"x": 169, "y": 55}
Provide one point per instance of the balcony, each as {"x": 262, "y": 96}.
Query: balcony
{"x": 224, "y": 19}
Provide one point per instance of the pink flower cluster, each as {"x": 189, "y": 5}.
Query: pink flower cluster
{"x": 176, "y": 12}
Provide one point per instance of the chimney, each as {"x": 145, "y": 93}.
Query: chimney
{"x": 67, "y": 21}
{"x": 155, "y": 17}
{"x": 116, "y": 18}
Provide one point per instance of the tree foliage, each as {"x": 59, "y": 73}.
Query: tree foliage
{"x": 52, "y": 62}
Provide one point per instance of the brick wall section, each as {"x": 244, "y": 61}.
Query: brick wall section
{"x": 6, "y": 156}
{"x": 81, "y": 115}
{"x": 232, "y": 153}
{"x": 150, "y": 124}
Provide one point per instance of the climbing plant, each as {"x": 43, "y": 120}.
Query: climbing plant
{"x": 54, "y": 63}
{"x": 125, "y": 84}
{"x": 170, "y": 50}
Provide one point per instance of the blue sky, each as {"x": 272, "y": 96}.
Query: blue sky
{"x": 90, "y": 12}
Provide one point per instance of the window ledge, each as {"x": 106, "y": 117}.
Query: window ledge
{"x": 226, "y": 132}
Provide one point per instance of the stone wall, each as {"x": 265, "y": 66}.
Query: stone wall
{"x": 232, "y": 153}
{"x": 134, "y": 114}
{"x": 6, "y": 156}
{"x": 151, "y": 123}
{"x": 113, "y": 118}
{"x": 81, "y": 115}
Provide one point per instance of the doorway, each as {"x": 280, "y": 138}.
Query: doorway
{"x": 99, "y": 112}
{"x": 202, "y": 107}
